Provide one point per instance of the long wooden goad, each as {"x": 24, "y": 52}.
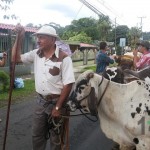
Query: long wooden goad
{"x": 17, "y": 44}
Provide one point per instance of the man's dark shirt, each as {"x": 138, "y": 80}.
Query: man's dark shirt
{"x": 102, "y": 60}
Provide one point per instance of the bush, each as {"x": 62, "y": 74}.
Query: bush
{"x": 4, "y": 81}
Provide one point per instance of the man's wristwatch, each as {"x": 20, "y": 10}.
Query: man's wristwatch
{"x": 57, "y": 108}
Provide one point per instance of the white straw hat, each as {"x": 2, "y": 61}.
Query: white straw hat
{"x": 47, "y": 30}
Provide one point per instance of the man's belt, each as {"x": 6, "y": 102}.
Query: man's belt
{"x": 49, "y": 97}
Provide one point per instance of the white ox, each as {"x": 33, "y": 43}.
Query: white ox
{"x": 123, "y": 109}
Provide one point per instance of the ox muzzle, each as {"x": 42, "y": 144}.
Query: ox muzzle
{"x": 76, "y": 104}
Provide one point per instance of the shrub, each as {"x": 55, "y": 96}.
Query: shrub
{"x": 4, "y": 81}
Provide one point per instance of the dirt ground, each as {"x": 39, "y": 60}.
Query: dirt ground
{"x": 84, "y": 134}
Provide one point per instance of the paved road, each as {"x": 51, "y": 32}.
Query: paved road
{"x": 84, "y": 134}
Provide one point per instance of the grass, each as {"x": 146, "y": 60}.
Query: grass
{"x": 93, "y": 67}
{"x": 18, "y": 94}
{"x": 29, "y": 88}
{"x": 80, "y": 63}
{"x": 90, "y": 68}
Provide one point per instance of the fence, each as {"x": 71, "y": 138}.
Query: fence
{"x": 7, "y": 38}
{"x": 84, "y": 55}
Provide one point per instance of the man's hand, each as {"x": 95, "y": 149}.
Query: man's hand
{"x": 135, "y": 52}
{"x": 16, "y": 50}
{"x": 112, "y": 57}
{"x": 4, "y": 55}
{"x": 55, "y": 113}
{"x": 19, "y": 30}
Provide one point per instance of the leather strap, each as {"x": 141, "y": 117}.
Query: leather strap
{"x": 49, "y": 97}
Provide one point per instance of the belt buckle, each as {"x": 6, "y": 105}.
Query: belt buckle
{"x": 43, "y": 96}
{"x": 46, "y": 97}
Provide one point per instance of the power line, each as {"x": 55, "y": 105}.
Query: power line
{"x": 91, "y": 7}
{"x": 94, "y": 9}
{"x": 110, "y": 9}
{"x": 78, "y": 12}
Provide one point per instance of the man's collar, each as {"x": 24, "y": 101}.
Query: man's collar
{"x": 57, "y": 52}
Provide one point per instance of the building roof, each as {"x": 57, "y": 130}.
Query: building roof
{"x": 85, "y": 45}
{"x": 11, "y": 27}
{"x": 81, "y": 45}
{"x": 77, "y": 43}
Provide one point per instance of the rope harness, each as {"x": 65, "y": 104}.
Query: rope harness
{"x": 54, "y": 124}
{"x": 78, "y": 103}
{"x": 57, "y": 124}
{"x": 60, "y": 126}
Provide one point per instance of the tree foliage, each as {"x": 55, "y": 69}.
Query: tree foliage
{"x": 104, "y": 26}
{"x": 98, "y": 30}
{"x": 90, "y": 30}
{"x": 134, "y": 36}
{"x": 86, "y": 25}
{"x": 95, "y": 29}
{"x": 121, "y": 32}
{"x": 4, "y": 6}
{"x": 146, "y": 36}
{"x": 82, "y": 37}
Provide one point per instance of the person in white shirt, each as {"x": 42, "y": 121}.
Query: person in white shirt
{"x": 54, "y": 77}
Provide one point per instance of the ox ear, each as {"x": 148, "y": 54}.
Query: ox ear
{"x": 90, "y": 75}
{"x": 92, "y": 102}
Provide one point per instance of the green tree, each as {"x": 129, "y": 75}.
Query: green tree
{"x": 146, "y": 36}
{"x": 104, "y": 27}
{"x": 122, "y": 31}
{"x": 30, "y": 25}
{"x": 82, "y": 37}
{"x": 133, "y": 36}
{"x": 4, "y": 6}
{"x": 68, "y": 34}
{"x": 86, "y": 25}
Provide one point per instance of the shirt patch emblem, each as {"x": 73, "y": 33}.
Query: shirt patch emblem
{"x": 54, "y": 71}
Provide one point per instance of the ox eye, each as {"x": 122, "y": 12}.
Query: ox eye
{"x": 80, "y": 89}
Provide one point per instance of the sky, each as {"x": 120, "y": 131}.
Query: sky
{"x": 133, "y": 13}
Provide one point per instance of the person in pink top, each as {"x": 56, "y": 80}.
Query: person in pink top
{"x": 144, "y": 60}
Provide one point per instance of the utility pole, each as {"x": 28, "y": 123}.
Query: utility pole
{"x": 141, "y": 24}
